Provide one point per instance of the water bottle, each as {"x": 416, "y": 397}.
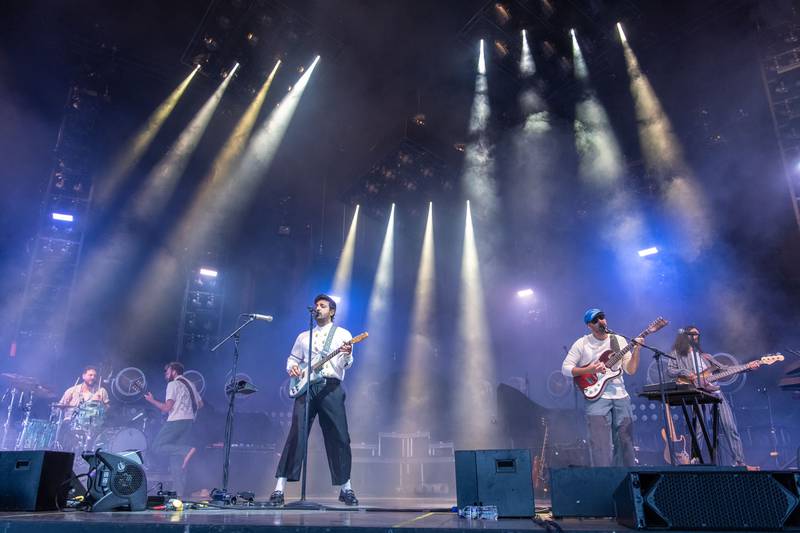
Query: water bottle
{"x": 475, "y": 512}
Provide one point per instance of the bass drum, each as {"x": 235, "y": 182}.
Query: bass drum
{"x": 120, "y": 439}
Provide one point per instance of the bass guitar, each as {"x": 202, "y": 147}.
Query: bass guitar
{"x": 710, "y": 376}
{"x": 678, "y": 442}
{"x": 299, "y": 384}
{"x": 593, "y": 385}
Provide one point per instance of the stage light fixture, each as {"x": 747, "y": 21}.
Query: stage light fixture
{"x": 208, "y": 272}
{"x": 62, "y": 217}
{"x": 526, "y": 65}
{"x": 621, "y": 33}
{"x": 481, "y": 61}
{"x": 648, "y": 251}
{"x": 524, "y": 293}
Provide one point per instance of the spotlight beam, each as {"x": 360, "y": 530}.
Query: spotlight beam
{"x": 164, "y": 177}
{"x": 473, "y": 405}
{"x": 124, "y": 239}
{"x": 133, "y": 152}
{"x": 664, "y": 158}
{"x": 344, "y": 269}
{"x": 378, "y": 312}
{"x": 415, "y": 409}
{"x": 599, "y": 154}
{"x": 197, "y": 227}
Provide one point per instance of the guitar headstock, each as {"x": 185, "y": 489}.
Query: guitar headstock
{"x": 655, "y": 325}
{"x": 358, "y": 338}
{"x": 771, "y": 358}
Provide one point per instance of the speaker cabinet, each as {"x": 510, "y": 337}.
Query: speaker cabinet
{"x": 34, "y": 480}
{"x": 495, "y": 477}
{"x": 709, "y": 499}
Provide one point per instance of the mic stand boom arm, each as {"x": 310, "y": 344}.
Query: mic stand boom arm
{"x": 233, "y": 386}
{"x": 657, "y": 355}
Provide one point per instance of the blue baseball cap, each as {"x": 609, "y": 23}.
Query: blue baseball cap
{"x": 589, "y": 315}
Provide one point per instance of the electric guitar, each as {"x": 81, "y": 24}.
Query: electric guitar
{"x": 593, "y": 385}
{"x": 299, "y": 384}
{"x": 709, "y": 376}
{"x": 681, "y": 455}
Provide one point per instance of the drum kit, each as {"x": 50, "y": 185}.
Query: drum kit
{"x": 86, "y": 426}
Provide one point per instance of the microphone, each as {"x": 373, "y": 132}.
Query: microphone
{"x": 256, "y": 316}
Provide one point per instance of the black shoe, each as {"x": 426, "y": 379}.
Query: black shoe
{"x": 276, "y": 499}
{"x": 348, "y": 497}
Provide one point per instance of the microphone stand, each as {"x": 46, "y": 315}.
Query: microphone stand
{"x": 231, "y": 389}
{"x": 657, "y": 355}
{"x": 302, "y": 503}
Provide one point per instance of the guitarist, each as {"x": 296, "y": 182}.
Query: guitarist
{"x": 327, "y": 400}
{"x": 688, "y": 358}
{"x": 608, "y": 417}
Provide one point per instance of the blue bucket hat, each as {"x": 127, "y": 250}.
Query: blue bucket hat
{"x": 589, "y": 315}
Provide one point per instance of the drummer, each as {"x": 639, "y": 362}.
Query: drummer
{"x": 89, "y": 390}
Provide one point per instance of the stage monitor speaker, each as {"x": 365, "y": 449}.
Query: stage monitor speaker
{"x": 118, "y": 481}
{"x": 709, "y": 499}
{"x": 585, "y": 492}
{"x": 495, "y": 477}
{"x": 34, "y": 480}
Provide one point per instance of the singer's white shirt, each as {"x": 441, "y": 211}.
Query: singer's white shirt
{"x": 335, "y": 368}
{"x": 588, "y": 349}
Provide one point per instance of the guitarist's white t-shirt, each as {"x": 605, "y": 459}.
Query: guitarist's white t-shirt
{"x": 182, "y": 408}
{"x": 335, "y": 367}
{"x": 588, "y": 349}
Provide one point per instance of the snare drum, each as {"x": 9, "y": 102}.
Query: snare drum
{"x": 120, "y": 439}
{"x": 88, "y": 415}
{"x": 37, "y": 435}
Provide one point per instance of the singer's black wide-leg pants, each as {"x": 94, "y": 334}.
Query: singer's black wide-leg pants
{"x": 327, "y": 401}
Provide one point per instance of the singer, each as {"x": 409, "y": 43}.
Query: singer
{"x": 327, "y": 400}
{"x": 691, "y": 362}
{"x": 608, "y": 417}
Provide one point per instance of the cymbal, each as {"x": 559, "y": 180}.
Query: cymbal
{"x": 18, "y": 380}
{"x": 27, "y": 383}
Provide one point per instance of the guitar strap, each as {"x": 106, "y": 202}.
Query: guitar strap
{"x": 191, "y": 393}
{"x": 328, "y": 340}
{"x": 614, "y": 343}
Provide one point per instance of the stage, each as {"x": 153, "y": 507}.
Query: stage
{"x": 375, "y": 516}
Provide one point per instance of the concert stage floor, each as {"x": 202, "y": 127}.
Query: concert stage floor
{"x": 375, "y": 516}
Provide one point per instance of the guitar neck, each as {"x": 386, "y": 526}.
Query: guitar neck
{"x": 731, "y": 370}
{"x": 617, "y": 357}
{"x": 324, "y": 359}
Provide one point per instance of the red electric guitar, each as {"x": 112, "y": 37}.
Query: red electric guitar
{"x": 593, "y": 385}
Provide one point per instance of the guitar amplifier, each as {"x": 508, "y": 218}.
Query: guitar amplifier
{"x": 495, "y": 477}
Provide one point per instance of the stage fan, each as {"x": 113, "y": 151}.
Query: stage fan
{"x": 116, "y": 481}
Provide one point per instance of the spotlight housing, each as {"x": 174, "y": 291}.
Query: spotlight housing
{"x": 648, "y": 251}
{"x": 208, "y": 272}
{"x": 62, "y": 217}
{"x": 525, "y": 293}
